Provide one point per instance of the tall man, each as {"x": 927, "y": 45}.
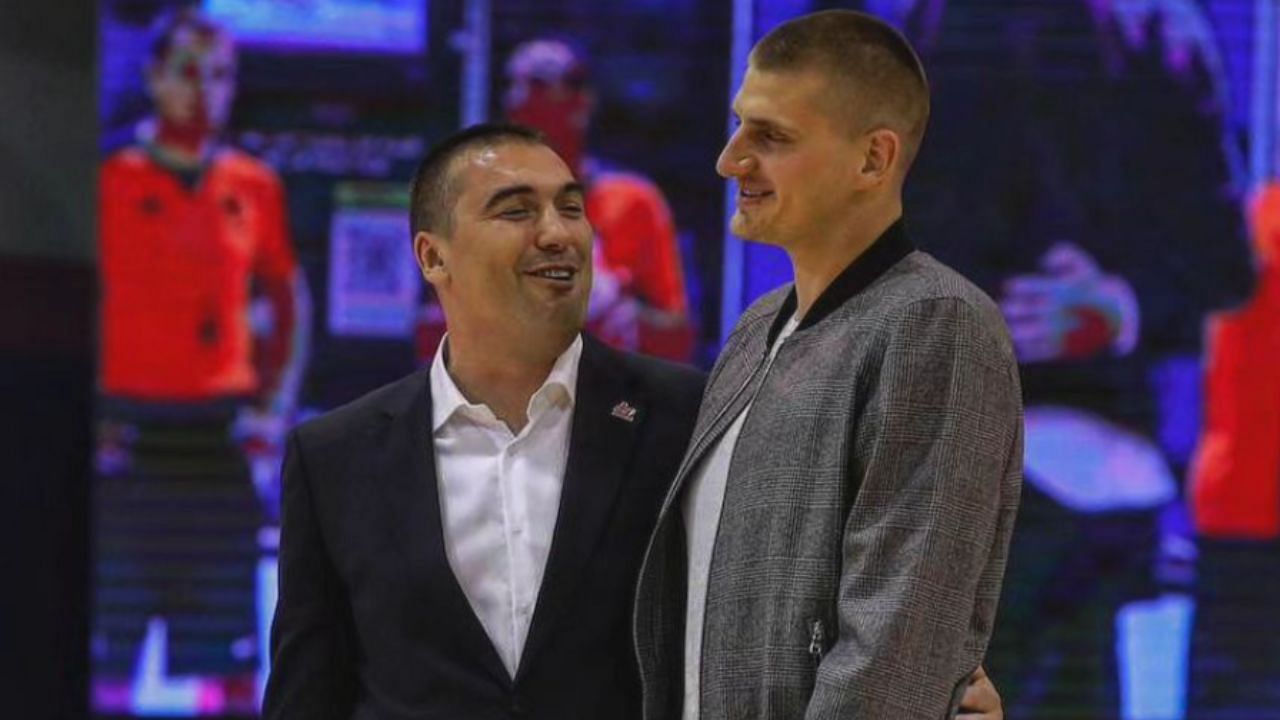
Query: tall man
{"x": 834, "y": 541}
{"x": 464, "y": 543}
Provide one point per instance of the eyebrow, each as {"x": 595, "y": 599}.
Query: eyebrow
{"x": 515, "y": 190}
{"x": 761, "y": 124}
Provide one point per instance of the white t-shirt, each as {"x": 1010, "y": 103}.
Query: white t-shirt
{"x": 701, "y": 508}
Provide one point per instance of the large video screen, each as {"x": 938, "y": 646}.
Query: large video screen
{"x": 1105, "y": 170}
{"x": 382, "y": 26}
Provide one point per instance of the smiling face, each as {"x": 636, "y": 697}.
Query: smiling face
{"x": 797, "y": 168}
{"x": 515, "y": 259}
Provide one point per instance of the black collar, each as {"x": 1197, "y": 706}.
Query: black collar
{"x": 892, "y": 245}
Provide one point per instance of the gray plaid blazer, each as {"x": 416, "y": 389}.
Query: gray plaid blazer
{"x": 870, "y": 501}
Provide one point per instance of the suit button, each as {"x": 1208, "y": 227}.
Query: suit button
{"x": 518, "y": 708}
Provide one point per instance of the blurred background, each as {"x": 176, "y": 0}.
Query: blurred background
{"x": 205, "y": 241}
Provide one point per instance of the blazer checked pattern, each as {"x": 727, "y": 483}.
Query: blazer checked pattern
{"x": 371, "y": 621}
{"x": 871, "y": 498}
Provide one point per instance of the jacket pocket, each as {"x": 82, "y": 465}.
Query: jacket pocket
{"x": 957, "y": 693}
{"x": 817, "y": 641}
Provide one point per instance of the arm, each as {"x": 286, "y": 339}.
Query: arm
{"x": 1070, "y": 310}
{"x": 281, "y": 351}
{"x": 640, "y": 243}
{"x": 312, "y": 676}
{"x": 937, "y": 456}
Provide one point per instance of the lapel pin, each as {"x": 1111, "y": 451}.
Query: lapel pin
{"x": 624, "y": 411}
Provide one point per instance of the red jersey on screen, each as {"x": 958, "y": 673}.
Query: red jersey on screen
{"x": 1235, "y": 477}
{"x": 176, "y": 270}
{"x": 638, "y": 239}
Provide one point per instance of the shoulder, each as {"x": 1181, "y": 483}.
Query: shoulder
{"x": 245, "y": 168}
{"x": 923, "y": 306}
{"x": 132, "y": 159}
{"x": 665, "y": 382}
{"x": 918, "y": 307}
{"x": 666, "y": 377}
{"x": 921, "y": 286}
{"x": 358, "y": 416}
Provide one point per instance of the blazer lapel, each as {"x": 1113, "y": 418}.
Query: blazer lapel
{"x": 606, "y": 418}
{"x": 407, "y": 468}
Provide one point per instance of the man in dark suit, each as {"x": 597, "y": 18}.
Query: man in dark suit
{"x": 464, "y": 543}
{"x": 414, "y": 546}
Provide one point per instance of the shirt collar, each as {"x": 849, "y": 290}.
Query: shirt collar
{"x": 892, "y": 245}
{"x": 447, "y": 399}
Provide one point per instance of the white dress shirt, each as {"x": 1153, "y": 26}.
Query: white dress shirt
{"x": 702, "y": 504}
{"x": 499, "y": 496}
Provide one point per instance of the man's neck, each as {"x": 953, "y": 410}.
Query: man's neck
{"x": 818, "y": 263}
{"x": 181, "y": 147}
{"x": 501, "y": 375}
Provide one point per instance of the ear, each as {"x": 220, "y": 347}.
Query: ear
{"x": 881, "y": 157}
{"x": 430, "y": 250}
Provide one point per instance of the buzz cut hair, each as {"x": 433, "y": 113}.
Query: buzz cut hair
{"x": 876, "y": 77}
{"x": 435, "y": 189}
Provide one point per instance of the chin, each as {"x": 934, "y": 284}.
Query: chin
{"x": 757, "y": 234}
{"x": 742, "y": 228}
{"x": 750, "y": 229}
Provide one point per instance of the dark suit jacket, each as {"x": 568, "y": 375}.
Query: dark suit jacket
{"x": 371, "y": 622}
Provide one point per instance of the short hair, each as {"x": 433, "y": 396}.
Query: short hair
{"x": 167, "y": 26}
{"x": 434, "y": 190}
{"x": 873, "y": 69}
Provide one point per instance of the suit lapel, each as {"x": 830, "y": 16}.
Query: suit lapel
{"x": 407, "y": 469}
{"x": 607, "y": 415}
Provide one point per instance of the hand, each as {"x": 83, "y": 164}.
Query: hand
{"x": 261, "y": 436}
{"x": 613, "y": 314}
{"x": 258, "y": 429}
{"x": 981, "y": 701}
{"x": 1069, "y": 311}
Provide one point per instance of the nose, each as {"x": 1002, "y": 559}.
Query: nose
{"x": 733, "y": 161}
{"x": 554, "y": 233}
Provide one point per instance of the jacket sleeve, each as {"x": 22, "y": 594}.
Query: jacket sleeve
{"x": 312, "y": 676}
{"x": 936, "y": 457}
